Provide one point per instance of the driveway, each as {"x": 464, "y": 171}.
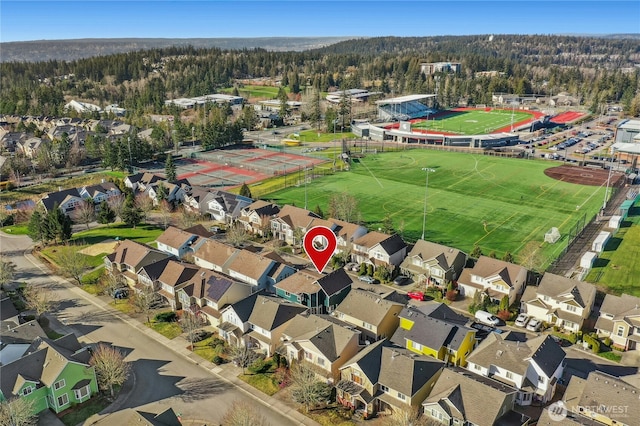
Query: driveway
{"x": 161, "y": 377}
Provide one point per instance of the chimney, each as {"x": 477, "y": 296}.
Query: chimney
{"x": 59, "y": 188}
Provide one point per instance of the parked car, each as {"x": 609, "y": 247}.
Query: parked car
{"x": 120, "y": 293}
{"x": 534, "y": 324}
{"x": 522, "y": 320}
{"x": 352, "y": 266}
{"x": 486, "y": 318}
{"x": 401, "y": 280}
{"x": 367, "y": 279}
{"x": 416, "y": 295}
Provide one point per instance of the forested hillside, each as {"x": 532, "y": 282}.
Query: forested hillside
{"x": 596, "y": 70}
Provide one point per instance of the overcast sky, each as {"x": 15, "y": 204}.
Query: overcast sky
{"x": 37, "y": 20}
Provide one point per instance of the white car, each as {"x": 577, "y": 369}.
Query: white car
{"x": 534, "y": 324}
{"x": 522, "y": 320}
{"x": 367, "y": 279}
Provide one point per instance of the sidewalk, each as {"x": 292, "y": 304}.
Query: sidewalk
{"x": 226, "y": 372}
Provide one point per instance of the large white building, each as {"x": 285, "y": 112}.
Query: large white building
{"x": 218, "y": 98}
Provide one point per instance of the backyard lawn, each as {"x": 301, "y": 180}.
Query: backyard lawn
{"x": 499, "y": 204}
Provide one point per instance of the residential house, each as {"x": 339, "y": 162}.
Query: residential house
{"x": 557, "y": 415}
{"x": 8, "y": 314}
{"x": 256, "y": 217}
{"x": 560, "y": 301}
{"x": 53, "y": 374}
{"x": 224, "y": 206}
{"x": 208, "y": 292}
{"x": 100, "y": 192}
{"x": 214, "y": 255}
{"x": 533, "y": 366}
{"x": 178, "y": 243}
{"x": 67, "y": 200}
{"x": 147, "y": 275}
{"x": 173, "y": 193}
{"x": 379, "y": 249}
{"x": 10, "y": 140}
{"x": 321, "y": 293}
{"x": 460, "y": 398}
{"x": 494, "y": 277}
{"x": 196, "y": 200}
{"x": 346, "y": 234}
{"x": 130, "y": 417}
{"x": 29, "y": 147}
{"x": 376, "y": 316}
{"x": 433, "y": 264}
{"x": 321, "y": 341}
{"x": 382, "y": 378}
{"x": 602, "y": 399}
{"x": 620, "y": 321}
{"x": 435, "y": 330}
{"x": 291, "y": 223}
{"x": 174, "y": 276}
{"x": 234, "y": 321}
{"x": 260, "y": 270}
{"x": 129, "y": 256}
{"x": 15, "y": 340}
{"x": 140, "y": 181}
{"x": 269, "y": 318}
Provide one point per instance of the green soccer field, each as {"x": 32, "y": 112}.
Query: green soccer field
{"x": 473, "y": 122}
{"x": 500, "y": 204}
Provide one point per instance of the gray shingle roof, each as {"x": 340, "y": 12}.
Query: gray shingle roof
{"x": 368, "y": 360}
{"x": 406, "y": 371}
{"x": 563, "y": 288}
{"x": 367, "y": 306}
{"x": 271, "y": 312}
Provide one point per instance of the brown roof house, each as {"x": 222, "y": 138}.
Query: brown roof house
{"x": 177, "y": 242}
{"x": 620, "y": 320}
{"x": 131, "y": 417}
{"x": 260, "y": 270}
{"x": 129, "y": 256}
{"x": 561, "y": 301}
{"x": 379, "y": 249}
{"x": 214, "y": 255}
{"x": 234, "y": 319}
{"x": 460, "y": 398}
{"x": 433, "y": 264}
{"x": 269, "y": 318}
{"x": 256, "y": 217}
{"x": 382, "y": 378}
{"x": 346, "y": 234}
{"x": 322, "y": 342}
{"x": 533, "y": 366}
{"x": 175, "y": 276}
{"x": 494, "y": 277}
{"x": 374, "y": 315}
{"x": 208, "y": 292}
{"x": 291, "y": 223}
{"x": 321, "y": 293}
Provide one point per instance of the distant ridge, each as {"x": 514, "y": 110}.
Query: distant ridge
{"x": 67, "y": 50}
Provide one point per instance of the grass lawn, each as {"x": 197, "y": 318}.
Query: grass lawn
{"x": 15, "y": 229}
{"x": 52, "y": 253}
{"x": 91, "y": 279}
{"x": 264, "y": 382}
{"x": 332, "y": 416}
{"x": 611, "y": 356}
{"x": 141, "y": 234}
{"x": 269, "y": 92}
{"x": 170, "y": 330}
{"x": 204, "y": 349}
{"x": 618, "y": 268}
{"x": 267, "y": 186}
{"x": 500, "y": 204}
{"x": 313, "y": 136}
{"x": 78, "y": 414}
{"x": 472, "y": 122}
{"x": 123, "y": 306}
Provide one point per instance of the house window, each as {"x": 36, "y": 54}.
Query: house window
{"x": 63, "y": 400}
{"x": 321, "y": 361}
{"x": 571, "y": 308}
{"x": 540, "y": 380}
{"x": 287, "y": 294}
{"x": 367, "y": 325}
{"x": 355, "y": 377}
{"x": 82, "y": 392}
{"x": 620, "y": 331}
{"x": 384, "y": 389}
{"x": 308, "y": 355}
{"x": 27, "y": 390}
{"x": 476, "y": 366}
{"x": 401, "y": 396}
{"x": 416, "y": 346}
{"x": 509, "y": 375}
{"x": 59, "y": 384}
{"x": 545, "y": 298}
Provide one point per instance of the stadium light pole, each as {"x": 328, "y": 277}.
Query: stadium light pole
{"x": 606, "y": 191}
{"x": 426, "y": 189}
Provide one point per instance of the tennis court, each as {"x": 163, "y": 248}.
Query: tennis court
{"x": 233, "y": 167}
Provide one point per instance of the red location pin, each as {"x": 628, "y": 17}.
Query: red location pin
{"x": 320, "y": 244}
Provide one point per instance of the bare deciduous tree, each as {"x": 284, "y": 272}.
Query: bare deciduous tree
{"x": 7, "y": 272}
{"x": 18, "y": 412}
{"x": 190, "y": 324}
{"x": 243, "y": 414}
{"x": 117, "y": 204}
{"x": 86, "y": 212}
{"x": 344, "y": 206}
{"x": 143, "y": 300}
{"x": 306, "y": 388}
{"x": 188, "y": 218}
{"x": 407, "y": 416}
{"x": 145, "y": 204}
{"x": 237, "y": 235}
{"x": 110, "y": 366}
{"x": 38, "y": 299}
{"x": 242, "y": 356}
{"x": 166, "y": 209}
{"x": 110, "y": 282}
{"x": 72, "y": 263}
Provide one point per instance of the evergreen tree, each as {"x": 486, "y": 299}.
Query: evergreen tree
{"x": 245, "y": 191}
{"x": 508, "y": 257}
{"x": 37, "y": 228}
{"x": 170, "y": 168}
{"x": 318, "y": 211}
{"x": 106, "y": 214}
{"x": 131, "y": 214}
{"x": 476, "y": 252}
{"x": 58, "y": 225}
{"x": 504, "y": 303}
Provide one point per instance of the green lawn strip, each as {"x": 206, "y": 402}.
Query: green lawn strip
{"x": 498, "y": 203}
{"x": 205, "y": 351}
{"x": 141, "y": 234}
{"x": 15, "y": 229}
{"x": 611, "y": 356}
{"x": 170, "y": 330}
{"x": 52, "y": 253}
{"x": 90, "y": 281}
{"x": 123, "y": 306}
{"x": 313, "y": 136}
{"x": 617, "y": 268}
{"x": 264, "y": 382}
{"x": 81, "y": 412}
{"x": 331, "y": 416}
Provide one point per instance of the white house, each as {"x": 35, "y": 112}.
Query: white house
{"x": 533, "y": 366}
{"x": 559, "y": 300}
{"x": 495, "y": 277}
{"x": 100, "y": 192}
{"x": 67, "y": 200}
{"x": 433, "y": 263}
{"x": 378, "y": 249}
{"x": 620, "y": 320}
{"x": 178, "y": 242}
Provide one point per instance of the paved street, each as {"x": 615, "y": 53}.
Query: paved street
{"x": 162, "y": 377}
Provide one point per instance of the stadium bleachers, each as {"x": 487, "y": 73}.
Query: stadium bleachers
{"x": 405, "y": 111}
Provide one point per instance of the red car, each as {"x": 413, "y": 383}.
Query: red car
{"x": 417, "y": 295}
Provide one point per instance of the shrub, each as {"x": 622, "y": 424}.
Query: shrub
{"x": 363, "y": 269}
{"x": 259, "y": 366}
{"x": 217, "y": 360}
{"x": 282, "y": 377}
{"x": 451, "y": 295}
{"x": 370, "y": 270}
{"x": 166, "y": 317}
{"x": 216, "y": 341}
{"x": 607, "y": 341}
{"x": 504, "y": 315}
{"x": 593, "y": 343}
